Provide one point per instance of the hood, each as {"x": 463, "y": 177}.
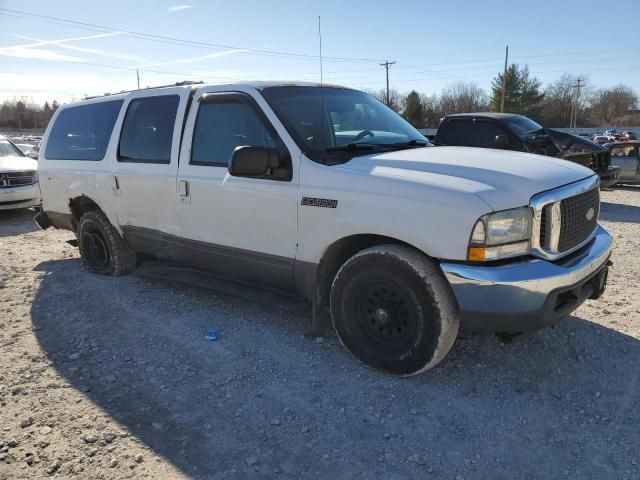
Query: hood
{"x": 503, "y": 179}
{"x": 14, "y": 164}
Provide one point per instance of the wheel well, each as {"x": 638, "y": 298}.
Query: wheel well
{"x": 338, "y": 253}
{"x": 79, "y": 206}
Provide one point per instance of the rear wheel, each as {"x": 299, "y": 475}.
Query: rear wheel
{"x": 393, "y": 310}
{"x": 102, "y": 248}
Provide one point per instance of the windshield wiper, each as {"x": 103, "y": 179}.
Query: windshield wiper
{"x": 416, "y": 142}
{"x": 353, "y": 146}
{"x": 370, "y": 146}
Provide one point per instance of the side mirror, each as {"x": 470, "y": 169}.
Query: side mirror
{"x": 502, "y": 141}
{"x": 253, "y": 161}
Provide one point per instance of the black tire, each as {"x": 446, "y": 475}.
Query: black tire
{"x": 393, "y": 310}
{"x": 102, "y": 248}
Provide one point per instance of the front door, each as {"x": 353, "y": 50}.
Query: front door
{"x": 243, "y": 228}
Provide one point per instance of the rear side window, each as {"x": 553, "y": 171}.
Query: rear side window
{"x": 147, "y": 131}
{"x": 83, "y": 132}
{"x": 455, "y": 132}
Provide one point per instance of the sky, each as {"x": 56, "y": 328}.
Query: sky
{"x": 67, "y": 49}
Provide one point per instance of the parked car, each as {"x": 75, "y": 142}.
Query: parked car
{"x": 628, "y": 135}
{"x": 626, "y": 156}
{"x": 18, "y": 178}
{"x": 612, "y": 133}
{"x": 509, "y": 131}
{"x": 601, "y": 139}
{"x": 326, "y": 193}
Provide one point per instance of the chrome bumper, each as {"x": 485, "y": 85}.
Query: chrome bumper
{"x": 20, "y": 197}
{"x": 530, "y": 294}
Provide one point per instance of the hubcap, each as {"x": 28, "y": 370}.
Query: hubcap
{"x": 385, "y": 312}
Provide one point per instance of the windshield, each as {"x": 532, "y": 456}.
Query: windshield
{"x": 523, "y": 125}
{"x": 324, "y": 119}
{"x": 7, "y": 149}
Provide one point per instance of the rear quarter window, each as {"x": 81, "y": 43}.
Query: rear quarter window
{"x": 83, "y": 132}
{"x": 147, "y": 131}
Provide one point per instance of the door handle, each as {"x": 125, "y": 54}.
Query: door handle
{"x": 115, "y": 185}
{"x": 183, "y": 191}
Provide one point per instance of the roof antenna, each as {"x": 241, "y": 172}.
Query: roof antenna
{"x": 320, "y": 38}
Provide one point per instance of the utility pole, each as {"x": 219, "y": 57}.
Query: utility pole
{"x": 504, "y": 79}
{"x": 577, "y": 104}
{"x": 138, "y": 77}
{"x": 386, "y": 65}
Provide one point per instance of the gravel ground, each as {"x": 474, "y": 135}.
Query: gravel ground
{"x": 111, "y": 378}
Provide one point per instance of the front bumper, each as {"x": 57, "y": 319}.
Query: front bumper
{"x": 530, "y": 294}
{"x": 20, "y": 197}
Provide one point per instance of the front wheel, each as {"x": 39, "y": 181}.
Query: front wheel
{"x": 393, "y": 310}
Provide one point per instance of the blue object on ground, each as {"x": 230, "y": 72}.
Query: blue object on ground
{"x": 212, "y": 335}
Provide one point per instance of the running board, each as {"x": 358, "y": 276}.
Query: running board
{"x": 209, "y": 281}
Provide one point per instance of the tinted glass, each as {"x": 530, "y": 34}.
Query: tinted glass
{"x": 455, "y": 132}
{"x": 7, "y": 149}
{"x": 147, "y": 131}
{"x": 469, "y": 133}
{"x": 484, "y": 134}
{"x": 324, "y": 118}
{"x": 221, "y": 127}
{"x": 523, "y": 125}
{"x": 83, "y": 132}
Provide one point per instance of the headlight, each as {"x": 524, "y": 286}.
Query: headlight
{"x": 501, "y": 235}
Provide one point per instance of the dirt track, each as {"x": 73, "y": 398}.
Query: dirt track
{"x": 112, "y": 378}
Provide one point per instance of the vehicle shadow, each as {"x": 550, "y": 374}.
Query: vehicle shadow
{"x": 17, "y": 222}
{"x": 263, "y": 390}
{"x": 615, "y": 212}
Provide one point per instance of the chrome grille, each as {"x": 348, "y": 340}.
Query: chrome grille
{"x": 17, "y": 179}
{"x": 576, "y": 225}
{"x": 564, "y": 219}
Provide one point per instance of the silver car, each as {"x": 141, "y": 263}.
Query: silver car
{"x": 626, "y": 155}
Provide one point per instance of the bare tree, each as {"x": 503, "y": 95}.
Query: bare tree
{"x": 610, "y": 105}
{"x": 559, "y": 100}
{"x": 396, "y": 99}
{"x": 463, "y": 97}
{"x": 431, "y": 110}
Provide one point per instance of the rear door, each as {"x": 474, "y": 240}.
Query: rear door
{"x": 145, "y": 168}
{"x": 245, "y": 228}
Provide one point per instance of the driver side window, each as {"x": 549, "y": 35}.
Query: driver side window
{"x": 223, "y": 126}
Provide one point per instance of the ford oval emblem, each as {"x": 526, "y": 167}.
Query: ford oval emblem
{"x": 590, "y": 213}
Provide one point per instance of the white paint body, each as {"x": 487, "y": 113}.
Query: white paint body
{"x": 20, "y": 196}
{"x": 427, "y": 197}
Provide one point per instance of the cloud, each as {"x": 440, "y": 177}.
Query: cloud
{"x": 30, "y": 50}
{"x": 177, "y": 8}
{"x": 93, "y": 51}
{"x": 197, "y": 59}
{"x": 38, "y": 54}
{"x": 41, "y": 43}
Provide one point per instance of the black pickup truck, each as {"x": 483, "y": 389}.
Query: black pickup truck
{"x": 515, "y": 132}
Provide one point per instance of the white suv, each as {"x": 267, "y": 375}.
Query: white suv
{"x": 325, "y": 192}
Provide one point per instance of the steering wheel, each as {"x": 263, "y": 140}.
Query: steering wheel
{"x": 362, "y": 134}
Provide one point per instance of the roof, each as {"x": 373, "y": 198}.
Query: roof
{"x": 255, "y": 84}
{"x": 495, "y": 115}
